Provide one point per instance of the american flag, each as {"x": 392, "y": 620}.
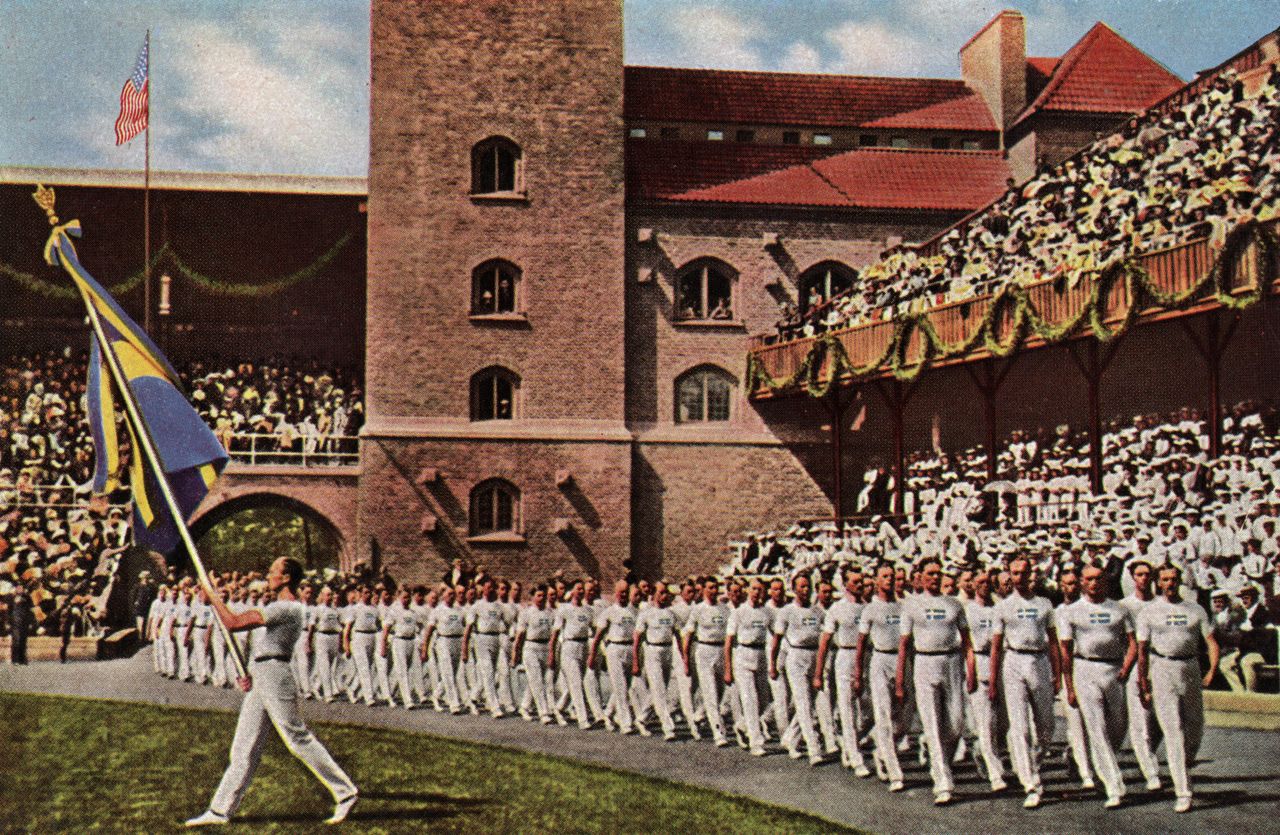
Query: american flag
{"x": 133, "y": 99}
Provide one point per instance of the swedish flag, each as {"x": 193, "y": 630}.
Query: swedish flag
{"x": 190, "y": 455}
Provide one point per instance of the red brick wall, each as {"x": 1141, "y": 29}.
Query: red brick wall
{"x": 446, "y": 76}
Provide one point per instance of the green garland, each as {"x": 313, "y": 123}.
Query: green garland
{"x": 202, "y": 282}
{"x": 225, "y": 288}
{"x": 1026, "y": 320}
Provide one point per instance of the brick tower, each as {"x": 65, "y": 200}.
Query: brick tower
{"x": 495, "y": 354}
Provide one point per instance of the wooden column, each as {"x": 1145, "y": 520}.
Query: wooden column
{"x": 988, "y": 382}
{"x": 837, "y": 406}
{"x": 1211, "y": 345}
{"x": 1092, "y": 366}
{"x": 896, "y": 395}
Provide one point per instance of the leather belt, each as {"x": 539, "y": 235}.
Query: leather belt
{"x": 1028, "y": 651}
{"x": 885, "y": 651}
{"x": 657, "y": 643}
{"x": 623, "y": 643}
{"x": 1100, "y": 660}
{"x": 802, "y": 646}
{"x": 482, "y": 632}
{"x": 938, "y": 652}
{"x": 262, "y": 658}
{"x": 563, "y": 638}
{"x": 366, "y": 631}
{"x": 1174, "y": 657}
{"x": 719, "y": 643}
{"x": 850, "y": 646}
{"x": 535, "y": 641}
{"x": 328, "y": 632}
{"x": 751, "y": 646}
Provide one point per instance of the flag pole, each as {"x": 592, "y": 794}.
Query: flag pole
{"x": 146, "y": 202}
{"x": 143, "y": 436}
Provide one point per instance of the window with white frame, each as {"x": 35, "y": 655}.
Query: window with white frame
{"x": 703, "y": 395}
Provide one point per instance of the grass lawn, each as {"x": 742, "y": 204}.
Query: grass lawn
{"x": 83, "y": 765}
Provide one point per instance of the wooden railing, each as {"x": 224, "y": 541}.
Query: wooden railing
{"x": 1173, "y": 270}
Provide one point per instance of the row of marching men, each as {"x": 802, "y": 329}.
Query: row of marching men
{"x": 901, "y": 648}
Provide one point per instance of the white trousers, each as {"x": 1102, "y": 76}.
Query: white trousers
{"x": 1100, "y": 695}
{"x": 573, "y": 656}
{"x": 751, "y": 676}
{"x": 708, "y": 663}
{"x": 1028, "y": 684}
{"x": 1177, "y": 696}
{"x": 847, "y": 707}
{"x": 939, "y": 686}
{"x": 534, "y": 655}
{"x": 200, "y": 654}
{"x": 362, "y": 644}
{"x": 273, "y": 701}
{"x": 987, "y": 716}
{"x": 1144, "y": 733}
{"x": 657, "y": 670}
{"x": 799, "y": 678}
{"x": 488, "y": 650}
{"x": 326, "y": 652}
{"x": 888, "y": 713}
{"x": 447, "y": 651}
{"x": 401, "y": 651}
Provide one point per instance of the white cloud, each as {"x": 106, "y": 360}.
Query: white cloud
{"x": 247, "y": 105}
{"x": 873, "y": 48}
{"x": 801, "y": 57}
{"x": 712, "y": 36}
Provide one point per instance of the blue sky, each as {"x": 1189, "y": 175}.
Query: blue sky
{"x": 281, "y": 86}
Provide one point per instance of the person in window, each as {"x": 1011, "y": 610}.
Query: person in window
{"x": 721, "y": 309}
{"x": 506, "y": 296}
{"x": 486, "y": 303}
{"x": 504, "y": 409}
{"x": 815, "y": 297}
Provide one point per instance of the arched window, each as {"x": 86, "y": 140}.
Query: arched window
{"x": 495, "y": 508}
{"x": 704, "y": 394}
{"x": 819, "y": 283}
{"x": 704, "y": 290}
{"x": 494, "y": 288}
{"x": 497, "y": 167}
{"x": 494, "y": 394}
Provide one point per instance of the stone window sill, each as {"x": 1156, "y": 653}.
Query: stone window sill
{"x": 499, "y": 538}
{"x": 500, "y": 318}
{"x": 500, "y": 197}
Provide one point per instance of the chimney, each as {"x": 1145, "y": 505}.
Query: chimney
{"x": 994, "y": 65}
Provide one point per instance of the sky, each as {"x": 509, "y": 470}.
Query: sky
{"x": 281, "y": 86}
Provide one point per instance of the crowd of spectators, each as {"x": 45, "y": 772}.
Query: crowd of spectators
{"x": 1163, "y": 500}
{"x": 58, "y": 543}
{"x": 1169, "y": 176}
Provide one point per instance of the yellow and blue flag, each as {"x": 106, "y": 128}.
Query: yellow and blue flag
{"x": 190, "y": 455}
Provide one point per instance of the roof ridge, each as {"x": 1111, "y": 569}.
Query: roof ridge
{"x": 1066, "y": 64}
{"x": 798, "y": 74}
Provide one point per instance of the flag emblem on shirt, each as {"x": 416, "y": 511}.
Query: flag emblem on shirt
{"x": 1176, "y": 620}
{"x": 1028, "y": 614}
{"x": 935, "y": 614}
{"x": 134, "y": 106}
{"x": 892, "y": 620}
{"x": 1100, "y": 618}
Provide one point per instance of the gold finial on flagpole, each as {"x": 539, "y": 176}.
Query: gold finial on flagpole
{"x": 44, "y": 197}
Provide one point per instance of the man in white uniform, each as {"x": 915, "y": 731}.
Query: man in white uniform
{"x": 935, "y": 635}
{"x": 1144, "y": 733}
{"x": 799, "y": 625}
{"x": 570, "y": 636}
{"x": 400, "y": 631}
{"x": 703, "y": 654}
{"x": 840, "y": 627}
{"x": 655, "y": 627}
{"x": 358, "y": 638}
{"x": 746, "y": 639}
{"x": 272, "y": 702}
{"x": 987, "y": 702}
{"x": 486, "y": 624}
{"x": 1024, "y": 658}
{"x": 1077, "y": 744}
{"x": 532, "y": 645}
{"x": 1171, "y": 629}
{"x": 1098, "y": 652}
{"x": 616, "y": 625}
{"x": 446, "y": 625}
{"x": 326, "y": 643}
{"x": 879, "y": 628}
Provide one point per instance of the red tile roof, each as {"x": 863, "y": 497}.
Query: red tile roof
{"x": 873, "y": 178}
{"x": 659, "y": 168}
{"x": 1103, "y": 73}
{"x": 772, "y": 98}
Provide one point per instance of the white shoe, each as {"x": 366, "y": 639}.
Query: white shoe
{"x": 722, "y": 742}
{"x": 1153, "y": 785}
{"x": 212, "y": 818}
{"x": 792, "y": 752}
{"x": 1112, "y": 802}
{"x": 546, "y": 720}
{"x": 560, "y": 720}
{"x": 757, "y": 752}
{"x": 1087, "y": 783}
{"x": 816, "y": 760}
{"x": 608, "y": 725}
{"x": 896, "y": 786}
{"x": 1032, "y": 801}
{"x": 643, "y": 730}
{"x": 343, "y": 808}
{"x": 1183, "y": 804}
{"x": 942, "y": 798}
{"x": 694, "y": 733}
{"x": 861, "y": 771}
{"x": 526, "y": 715}
{"x": 669, "y": 736}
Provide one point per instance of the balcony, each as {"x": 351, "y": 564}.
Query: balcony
{"x": 1172, "y": 272}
